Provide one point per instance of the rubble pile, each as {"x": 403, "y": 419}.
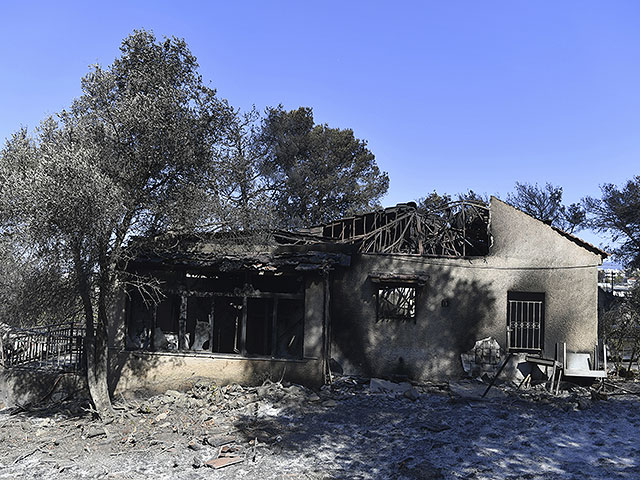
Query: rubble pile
{"x": 354, "y": 428}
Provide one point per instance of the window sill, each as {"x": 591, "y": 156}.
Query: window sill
{"x": 221, "y": 356}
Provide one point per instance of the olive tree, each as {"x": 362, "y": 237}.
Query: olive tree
{"x": 617, "y": 214}
{"x": 131, "y": 156}
{"x": 621, "y": 327}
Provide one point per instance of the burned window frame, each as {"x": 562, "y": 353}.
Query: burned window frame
{"x": 244, "y": 297}
{"x": 387, "y": 284}
{"x": 396, "y": 310}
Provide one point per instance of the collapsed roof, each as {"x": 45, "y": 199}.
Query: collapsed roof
{"x": 458, "y": 229}
{"x": 233, "y": 253}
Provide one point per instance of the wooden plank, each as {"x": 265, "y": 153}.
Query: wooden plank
{"x": 274, "y": 331}
{"x": 212, "y": 319}
{"x": 196, "y": 293}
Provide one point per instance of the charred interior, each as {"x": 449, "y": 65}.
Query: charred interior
{"x": 247, "y": 314}
{"x": 459, "y": 229}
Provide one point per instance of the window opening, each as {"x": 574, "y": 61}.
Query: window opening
{"x": 396, "y": 303}
{"x": 244, "y": 320}
{"x": 259, "y": 326}
{"x": 166, "y": 329}
{"x": 227, "y": 320}
{"x": 198, "y": 323}
{"x": 140, "y": 323}
{"x": 289, "y": 328}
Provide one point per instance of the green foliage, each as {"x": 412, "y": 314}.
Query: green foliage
{"x": 34, "y": 293}
{"x": 317, "y": 173}
{"x": 617, "y": 214}
{"x": 435, "y": 201}
{"x": 621, "y": 326}
{"x": 242, "y": 199}
{"x": 545, "y": 203}
{"x": 131, "y": 156}
{"x": 149, "y": 149}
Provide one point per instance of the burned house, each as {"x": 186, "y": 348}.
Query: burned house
{"x": 231, "y": 310}
{"x": 392, "y": 292}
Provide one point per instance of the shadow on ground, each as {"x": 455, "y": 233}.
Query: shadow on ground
{"x": 378, "y": 436}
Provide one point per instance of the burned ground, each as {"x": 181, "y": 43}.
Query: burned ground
{"x": 346, "y": 431}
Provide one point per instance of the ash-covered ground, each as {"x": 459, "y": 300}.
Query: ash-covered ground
{"x": 437, "y": 431}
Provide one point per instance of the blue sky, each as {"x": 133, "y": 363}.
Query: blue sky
{"x": 449, "y": 95}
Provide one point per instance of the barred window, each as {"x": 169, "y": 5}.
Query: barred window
{"x": 525, "y": 321}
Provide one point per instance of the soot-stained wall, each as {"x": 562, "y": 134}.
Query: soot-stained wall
{"x": 464, "y": 300}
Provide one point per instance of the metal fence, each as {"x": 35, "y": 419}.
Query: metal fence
{"x": 56, "y": 347}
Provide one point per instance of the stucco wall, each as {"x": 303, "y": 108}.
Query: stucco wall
{"x": 526, "y": 255}
{"x": 160, "y": 371}
{"x": 22, "y": 386}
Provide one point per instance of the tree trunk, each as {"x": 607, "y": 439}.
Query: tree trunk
{"x": 98, "y": 352}
{"x": 96, "y": 347}
{"x": 98, "y": 365}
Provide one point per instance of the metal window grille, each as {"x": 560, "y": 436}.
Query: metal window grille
{"x": 525, "y": 321}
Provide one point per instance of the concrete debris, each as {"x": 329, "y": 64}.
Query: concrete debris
{"x": 484, "y": 357}
{"x": 378, "y": 385}
{"x": 423, "y": 470}
{"x": 219, "y": 440}
{"x": 583, "y": 403}
{"x": 95, "y": 431}
{"x": 161, "y": 417}
{"x": 193, "y": 445}
{"x": 412, "y": 394}
{"x": 436, "y": 427}
{"x": 473, "y": 390}
{"x": 598, "y": 396}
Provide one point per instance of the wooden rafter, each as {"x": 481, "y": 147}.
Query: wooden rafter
{"x": 459, "y": 229}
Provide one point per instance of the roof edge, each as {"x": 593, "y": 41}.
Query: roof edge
{"x": 569, "y": 236}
